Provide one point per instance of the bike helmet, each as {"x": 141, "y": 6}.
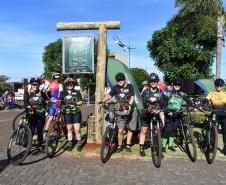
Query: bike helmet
{"x": 56, "y": 75}
{"x": 34, "y": 80}
{"x": 178, "y": 81}
{"x": 119, "y": 77}
{"x": 219, "y": 82}
{"x": 69, "y": 80}
{"x": 153, "y": 77}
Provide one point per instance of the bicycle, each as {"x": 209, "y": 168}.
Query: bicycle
{"x": 209, "y": 134}
{"x": 153, "y": 138}
{"x": 109, "y": 139}
{"x": 20, "y": 141}
{"x": 55, "y": 131}
{"x": 184, "y": 137}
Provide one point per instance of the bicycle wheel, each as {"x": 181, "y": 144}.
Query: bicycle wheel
{"x": 189, "y": 141}
{"x": 212, "y": 143}
{"x": 52, "y": 139}
{"x": 19, "y": 145}
{"x": 108, "y": 144}
{"x": 156, "y": 148}
{"x": 17, "y": 120}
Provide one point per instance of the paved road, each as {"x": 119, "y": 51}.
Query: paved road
{"x": 66, "y": 169}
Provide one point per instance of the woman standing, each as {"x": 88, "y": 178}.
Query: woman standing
{"x": 72, "y": 116}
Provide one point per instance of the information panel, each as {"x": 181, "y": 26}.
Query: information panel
{"x": 78, "y": 54}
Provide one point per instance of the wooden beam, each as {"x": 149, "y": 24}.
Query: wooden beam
{"x": 87, "y": 25}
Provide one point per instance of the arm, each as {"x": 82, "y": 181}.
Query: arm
{"x": 79, "y": 98}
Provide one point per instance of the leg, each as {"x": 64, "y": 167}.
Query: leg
{"x": 162, "y": 118}
{"x": 172, "y": 134}
{"x": 69, "y": 136}
{"x": 40, "y": 126}
{"x": 77, "y": 131}
{"x": 52, "y": 111}
{"x": 143, "y": 133}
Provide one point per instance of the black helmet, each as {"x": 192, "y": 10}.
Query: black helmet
{"x": 119, "y": 77}
{"x": 153, "y": 77}
{"x": 178, "y": 81}
{"x": 34, "y": 80}
{"x": 219, "y": 82}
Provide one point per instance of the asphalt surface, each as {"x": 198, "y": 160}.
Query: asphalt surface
{"x": 67, "y": 169}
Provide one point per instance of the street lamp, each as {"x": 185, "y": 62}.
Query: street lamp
{"x": 122, "y": 45}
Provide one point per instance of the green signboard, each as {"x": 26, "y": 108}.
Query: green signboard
{"x": 78, "y": 54}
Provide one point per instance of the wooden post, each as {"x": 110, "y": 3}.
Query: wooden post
{"x": 101, "y": 64}
{"x": 100, "y": 81}
{"x": 90, "y": 129}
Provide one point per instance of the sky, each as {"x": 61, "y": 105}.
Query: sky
{"x": 27, "y": 26}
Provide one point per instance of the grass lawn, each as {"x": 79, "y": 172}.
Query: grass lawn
{"x": 93, "y": 150}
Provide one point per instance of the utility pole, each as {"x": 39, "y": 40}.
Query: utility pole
{"x": 220, "y": 32}
{"x": 125, "y": 47}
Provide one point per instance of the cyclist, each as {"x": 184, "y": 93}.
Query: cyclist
{"x": 72, "y": 116}
{"x": 124, "y": 94}
{"x": 55, "y": 90}
{"x": 156, "y": 95}
{"x": 218, "y": 100}
{"x": 172, "y": 103}
{"x": 35, "y": 99}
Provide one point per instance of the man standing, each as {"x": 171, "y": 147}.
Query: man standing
{"x": 124, "y": 94}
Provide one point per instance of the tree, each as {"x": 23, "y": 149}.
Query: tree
{"x": 140, "y": 75}
{"x": 185, "y": 47}
{"x": 213, "y": 8}
{"x": 4, "y": 86}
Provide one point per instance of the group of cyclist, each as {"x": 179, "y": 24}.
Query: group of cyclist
{"x": 165, "y": 103}
{"x": 42, "y": 96}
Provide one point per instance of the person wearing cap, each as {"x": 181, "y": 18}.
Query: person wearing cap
{"x": 10, "y": 96}
{"x": 55, "y": 90}
{"x": 172, "y": 103}
{"x": 217, "y": 99}
{"x": 35, "y": 100}
{"x": 156, "y": 95}
{"x": 72, "y": 113}
{"x": 124, "y": 94}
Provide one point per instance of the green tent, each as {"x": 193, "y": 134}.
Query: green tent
{"x": 207, "y": 85}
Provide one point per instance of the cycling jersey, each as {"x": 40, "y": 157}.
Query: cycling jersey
{"x": 218, "y": 101}
{"x": 175, "y": 100}
{"x": 122, "y": 94}
{"x": 71, "y": 98}
{"x": 55, "y": 89}
{"x": 36, "y": 99}
{"x": 152, "y": 98}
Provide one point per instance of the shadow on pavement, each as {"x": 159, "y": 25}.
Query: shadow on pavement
{"x": 3, "y": 164}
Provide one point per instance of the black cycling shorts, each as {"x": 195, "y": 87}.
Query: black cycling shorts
{"x": 73, "y": 118}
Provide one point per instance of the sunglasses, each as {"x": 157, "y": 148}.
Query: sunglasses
{"x": 35, "y": 84}
{"x": 153, "y": 81}
{"x": 177, "y": 85}
{"x": 120, "y": 80}
{"x": 219, "y": 85}
{"x": 69, "y": 84}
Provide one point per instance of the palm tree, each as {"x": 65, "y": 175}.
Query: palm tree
{"x": 213, "y": 8}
